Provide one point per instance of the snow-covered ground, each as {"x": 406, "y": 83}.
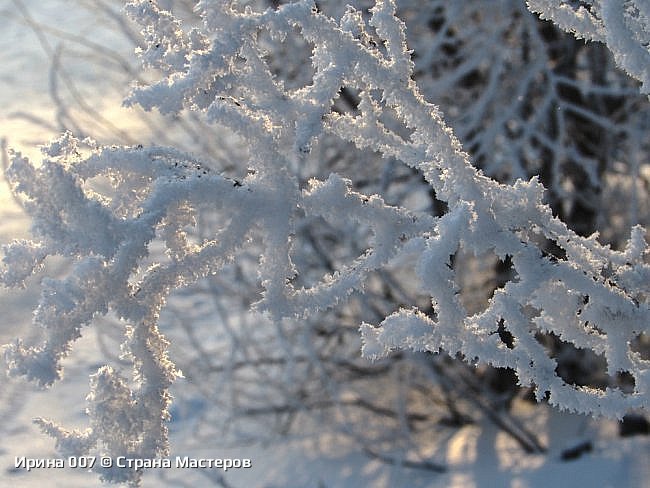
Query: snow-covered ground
{"x": 477, "y": 456}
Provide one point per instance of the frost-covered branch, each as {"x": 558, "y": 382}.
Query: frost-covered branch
{"x": 623, "y": 26}
{"x": 104, "y": 207}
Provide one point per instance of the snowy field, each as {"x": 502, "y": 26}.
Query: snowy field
{"x": 476, "y": 455}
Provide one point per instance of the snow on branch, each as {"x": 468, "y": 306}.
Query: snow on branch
{"x": 595, "y": 298}
{"x": 623, "y": 26}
